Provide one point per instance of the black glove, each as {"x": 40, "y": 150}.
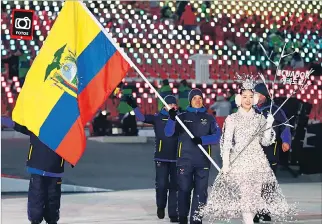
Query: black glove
{"x": 173, "y": 114}
{"x": 131, "y": 102}
{"x": 197, "y": 140}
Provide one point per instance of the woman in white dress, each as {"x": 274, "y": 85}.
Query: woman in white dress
{"x": 238, "y": 188}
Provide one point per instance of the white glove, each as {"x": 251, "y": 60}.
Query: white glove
{"x": 268, "y": 128}
{"x": 225, "y": 162}
{"x": 269, "y": 120}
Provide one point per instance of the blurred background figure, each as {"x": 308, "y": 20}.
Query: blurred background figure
{"x": 123, "y": 108}
{"x": 129, "y": 125}
{"x": 164, "y": 91}
{"x": 184, "y": 90}
{"x": 222, "y": 107}
{"x": 101, "y": 124}
{"x": 230, "y": 96}
{"x": 297, "y": 61}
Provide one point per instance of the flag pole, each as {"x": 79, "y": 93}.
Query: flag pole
{"x": 147, "y": 81}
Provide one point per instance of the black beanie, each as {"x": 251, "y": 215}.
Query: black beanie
{"x": 261, "y": 88}
{"x": 170, "y": 99}
{"x": 194, "y": 92}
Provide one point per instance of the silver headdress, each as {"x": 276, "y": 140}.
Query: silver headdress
{"x": 247, "y": 81}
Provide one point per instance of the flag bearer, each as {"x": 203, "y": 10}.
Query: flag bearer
{"x": 46, "y": 169}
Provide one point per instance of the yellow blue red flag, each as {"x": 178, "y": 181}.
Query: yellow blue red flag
{"x": 77, "y": 68}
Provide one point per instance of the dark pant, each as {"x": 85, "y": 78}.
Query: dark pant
{"x": 166, "y": 180}
{"x": 192, "y": 178}
{"x": 44, "y": 198}
{"x": 273, "y": 167}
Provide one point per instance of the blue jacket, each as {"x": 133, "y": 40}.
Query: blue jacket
{"x": 283, "y": 133}
{"x": 165, "y": 148}
{"x": 201, "y": 124}
{"x": 41, "y": 160}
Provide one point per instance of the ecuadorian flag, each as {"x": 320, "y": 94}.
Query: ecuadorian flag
{"x": 77, "y": 68}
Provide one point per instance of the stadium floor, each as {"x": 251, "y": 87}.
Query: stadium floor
{"x": 138, "y": 206}
{"x": 128, "y": 170}
{"x": 109, "y": 165}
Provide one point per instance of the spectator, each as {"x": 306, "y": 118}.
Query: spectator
{"x": 13, "y": 61}
{"x": 188, "y": 19}
{"x": 166, "y": 13}
{"x": 129, "y": 125}
{"x": 123, "y": 108}
{"x": 231, "y": 98}
{"x": 164, "y": 91}
{"x": 184, "y": 90}
{"x": 297, "y": 61}
{"x": 221, "y": 107}
{"x": 101, "y": 125}
{"x": 24, "y": 66}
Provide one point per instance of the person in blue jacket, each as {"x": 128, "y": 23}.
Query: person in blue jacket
{"x": 46, "y": 170}
{"x": 283, "y": 133}
{"x": 165, "y": 157}
{"x": 192, "y": 165}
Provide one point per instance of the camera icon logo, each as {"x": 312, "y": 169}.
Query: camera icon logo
{"x": 23, "y": 23}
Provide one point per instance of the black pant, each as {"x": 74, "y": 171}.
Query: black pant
{"x": 44, "y": 198}
{"x": 189, "y": 178}
{"x": 273, "y": 167}
{"x": 166, "y": 180}
{"x": 129, "y": 126}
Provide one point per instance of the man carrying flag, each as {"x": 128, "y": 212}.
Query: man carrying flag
{"x": 46, "y": 170}
{"x": 77, "y": 68}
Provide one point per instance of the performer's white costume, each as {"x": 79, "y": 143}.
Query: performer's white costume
{"x": 237, "y": 191}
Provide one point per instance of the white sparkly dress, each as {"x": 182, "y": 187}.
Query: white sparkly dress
{"x": 240, "y": 190}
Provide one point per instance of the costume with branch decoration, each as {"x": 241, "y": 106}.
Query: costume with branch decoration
{"x": 238, "y": 189}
